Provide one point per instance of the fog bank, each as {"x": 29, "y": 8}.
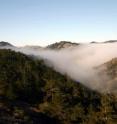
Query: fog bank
{"x": 80, "y": 63}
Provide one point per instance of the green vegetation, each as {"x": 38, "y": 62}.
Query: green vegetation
{"x": 33, "y": 93}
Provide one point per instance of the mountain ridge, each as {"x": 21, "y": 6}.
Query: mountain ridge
{"x": 56, "y": 45}
{"x": 62, "y": 44}
{"x": 4, "y": 44}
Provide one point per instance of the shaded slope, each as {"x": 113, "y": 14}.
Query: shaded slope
{"x": 29, "y": 89}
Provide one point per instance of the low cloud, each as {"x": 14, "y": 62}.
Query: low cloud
{"x": 80, "y": 63}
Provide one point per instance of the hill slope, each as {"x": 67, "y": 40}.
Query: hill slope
{"x": 31, "y": 92}
{"x": 110, "y": 70}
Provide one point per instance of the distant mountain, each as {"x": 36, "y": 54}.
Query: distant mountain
{"x": 33, "y": 47}
{"x": 110, "y": 41}
{"x": 62, "y": 44}
{"x": 55, "y": 46}
{"x": 93, "y": 42}
{"x": 5, "y": 44}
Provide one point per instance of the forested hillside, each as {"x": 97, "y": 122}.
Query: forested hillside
{"x": 32, "y": 93}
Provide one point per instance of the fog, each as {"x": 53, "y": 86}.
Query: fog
{"x": 80, "y": 63}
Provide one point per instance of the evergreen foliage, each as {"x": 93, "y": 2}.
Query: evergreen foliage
{"x": 31, "y": 92}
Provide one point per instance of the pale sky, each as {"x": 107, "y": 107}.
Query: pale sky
{"x": 42, "y": 22}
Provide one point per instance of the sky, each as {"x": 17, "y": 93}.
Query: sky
{"x": 42, "y": 22}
